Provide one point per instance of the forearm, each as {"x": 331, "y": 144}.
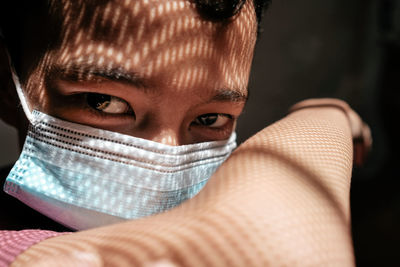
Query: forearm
{"x": 281, "y": 199}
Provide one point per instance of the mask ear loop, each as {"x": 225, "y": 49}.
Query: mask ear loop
{"x": 20, "y": 92}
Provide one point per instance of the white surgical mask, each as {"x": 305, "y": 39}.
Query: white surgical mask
{"x": 83, "y": 177}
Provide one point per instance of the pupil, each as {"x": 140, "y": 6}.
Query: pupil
{"x": 98, "y": 101}
{"x": 208, "y": 119}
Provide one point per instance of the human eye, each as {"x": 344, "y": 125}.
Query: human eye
{"x": 108, "y": 104}
{"x": 213, "y": 120}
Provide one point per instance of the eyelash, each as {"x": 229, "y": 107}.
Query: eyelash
{"x": 223, "y": 128}
{"x": 105, "y": 115}
{"x": 98, "y": 113}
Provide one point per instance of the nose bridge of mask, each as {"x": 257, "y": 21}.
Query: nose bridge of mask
{"x": 127, "y": 149}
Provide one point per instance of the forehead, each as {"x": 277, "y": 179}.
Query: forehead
{"x": 105, "y": 19}
{"x": 167, "y": 39}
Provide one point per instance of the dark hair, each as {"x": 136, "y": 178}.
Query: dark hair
{"x": 218, "y": 10}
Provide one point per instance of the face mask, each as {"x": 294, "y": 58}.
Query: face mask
{"x": 84, "y": 177}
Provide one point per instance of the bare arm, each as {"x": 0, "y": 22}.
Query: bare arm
{"x": 282, "y": 198}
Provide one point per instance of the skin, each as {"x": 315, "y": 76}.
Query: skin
{"x": 279, "y": 199}
{"x": 174, "y": 78}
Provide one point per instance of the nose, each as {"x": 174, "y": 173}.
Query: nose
{"x": 167, "y": 137}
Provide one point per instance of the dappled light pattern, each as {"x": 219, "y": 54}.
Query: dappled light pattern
{"x": 166, "y": 43}
{"x": 281, "y": 199}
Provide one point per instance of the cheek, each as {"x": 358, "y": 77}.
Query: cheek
{"x": 35, "y": 90}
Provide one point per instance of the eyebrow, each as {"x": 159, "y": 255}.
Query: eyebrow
{"x": 86, "y": 72}
{"x": 229, "y": 95}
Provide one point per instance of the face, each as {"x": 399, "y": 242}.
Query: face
{"x": 147, "y": 68}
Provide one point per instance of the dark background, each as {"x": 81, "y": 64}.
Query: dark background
{"x": 349, "y": 49}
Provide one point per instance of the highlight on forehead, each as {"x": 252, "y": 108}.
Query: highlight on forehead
{"x": 110, "y": 20}
{"x": 97, "y": 27}
{"x": 148, "y": 36}
{"x": 116, "y": 20}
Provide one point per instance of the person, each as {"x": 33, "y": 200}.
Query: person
{"x": 131, "y": 107}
